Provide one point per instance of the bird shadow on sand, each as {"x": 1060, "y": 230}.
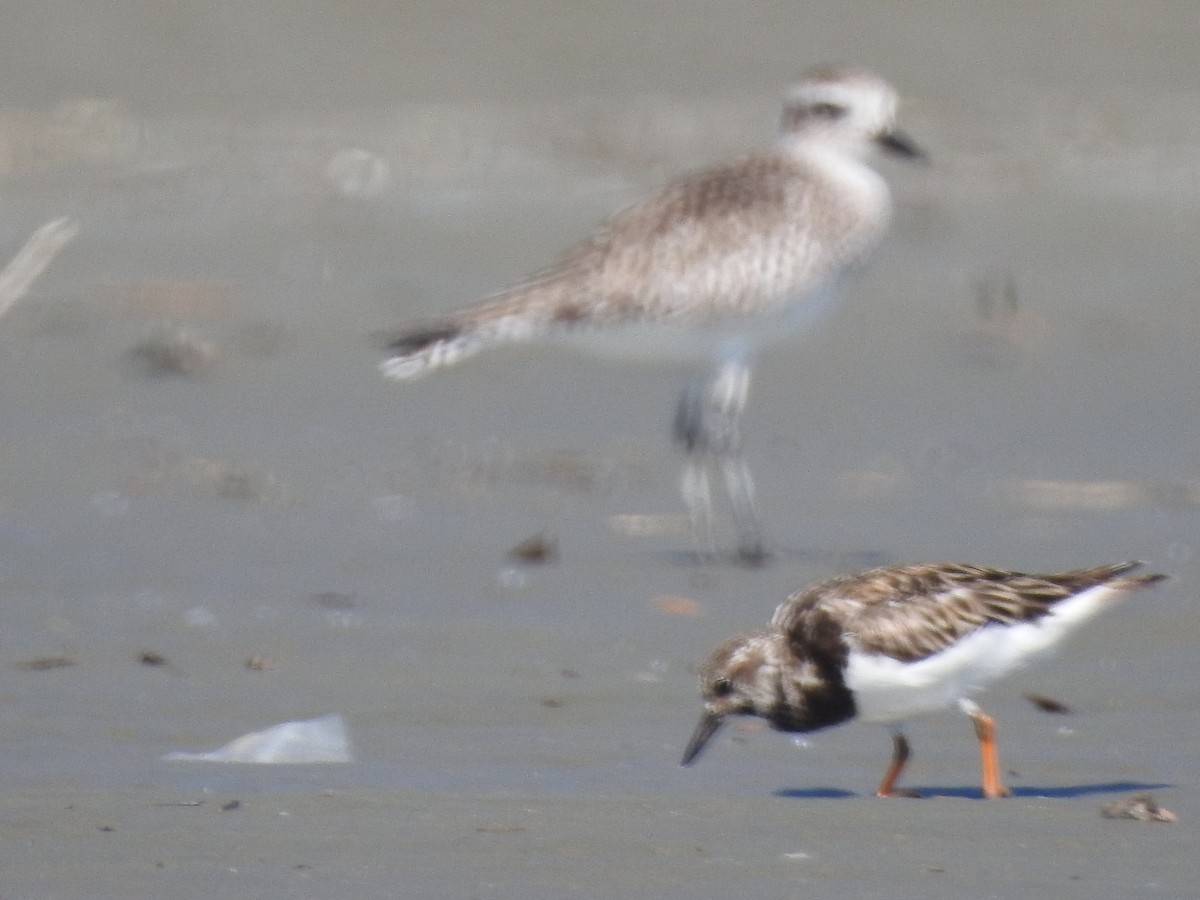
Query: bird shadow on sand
{"x": 1064, "y": 792}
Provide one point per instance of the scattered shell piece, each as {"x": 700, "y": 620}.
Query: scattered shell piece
{"x": 669, "y": 605}
{"x": 1141, "y": 807}
{"x": 262, "y": 663}
{"x": 1050, "y": 494}
{"x": 1048, "y": 704}
{"x": 174, "y": 350}
{"x": 320, "y": 740}
{"x": 537, "y": 549}
{"x": 637, "y": 525}
{"x": 1046, "y": 494}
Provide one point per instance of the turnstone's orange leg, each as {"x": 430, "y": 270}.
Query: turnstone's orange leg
{"x": 900, "y": 754}
{"x": 985, "y": 730}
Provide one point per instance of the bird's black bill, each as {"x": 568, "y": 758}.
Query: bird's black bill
{"x": 709, "y": 723}
{"x": 900, "y": 144}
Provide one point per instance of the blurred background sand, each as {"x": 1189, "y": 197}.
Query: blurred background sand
{"x": 215, "y": 516}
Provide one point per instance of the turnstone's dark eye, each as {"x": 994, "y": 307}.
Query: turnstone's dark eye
{"x": 722, "y": 687}
{"x": 828, "y": 110}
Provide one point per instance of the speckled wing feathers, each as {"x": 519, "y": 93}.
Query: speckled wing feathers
{"x": 912, "y": 612}
{"x": 730, "y": 241}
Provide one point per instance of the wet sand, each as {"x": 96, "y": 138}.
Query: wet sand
{"x": 216, "y": 516}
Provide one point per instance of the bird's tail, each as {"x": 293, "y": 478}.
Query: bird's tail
{"x": 531, "y": 311}
{"x": 1093, "y": 590}
{"x": 1136, "y": 582}
{"x": 1114, "y": 577}
{"x": 417, "y": 352}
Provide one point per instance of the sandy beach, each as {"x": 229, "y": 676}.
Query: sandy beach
{"x": 215, "y": 516}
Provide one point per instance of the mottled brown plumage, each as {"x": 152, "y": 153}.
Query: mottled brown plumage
{"x": 735, "y": 241}
{"x": 911, "y": 612}
{"x": 741, "y": 240}
{"x": 708, "y": 269}
{"x": 894, "y": 642}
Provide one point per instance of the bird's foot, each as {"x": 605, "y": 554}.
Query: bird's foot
{"x": 753, "y": 556}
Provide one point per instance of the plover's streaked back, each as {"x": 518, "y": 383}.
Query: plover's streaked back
{"x": 892, "y": 643}
{"x": 709, "y": 269}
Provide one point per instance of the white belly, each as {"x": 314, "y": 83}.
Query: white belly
{"x": 683, "y": 340}
{"x": 888, "y": 690}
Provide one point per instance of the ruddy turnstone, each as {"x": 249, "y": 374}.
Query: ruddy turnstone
{"x": 710, "y": 268}
{"x": 892, "y": 643}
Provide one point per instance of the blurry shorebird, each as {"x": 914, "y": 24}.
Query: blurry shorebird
{"x": 708, "y": 270}
{"x": 892, "y": 643}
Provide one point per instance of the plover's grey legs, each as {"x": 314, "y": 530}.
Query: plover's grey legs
{"x": 708, "y": 428}
{"x": 739, "y": 485}
{"x": 697, "y": 494}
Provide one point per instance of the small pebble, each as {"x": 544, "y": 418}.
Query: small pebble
{"x": 171, "y": 350}
{"x": 44, "y": 663}
{"x": 677, "y": 606}
{"x": 537, "y": 549}
{"x": 1049, "y": 704}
